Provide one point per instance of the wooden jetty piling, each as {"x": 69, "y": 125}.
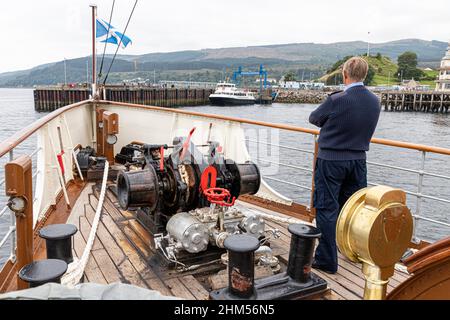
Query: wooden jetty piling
{"x": 426, "y": 101}
{"x": 51, "y": 98}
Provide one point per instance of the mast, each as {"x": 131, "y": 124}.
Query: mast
{"x": 94, "y": 58}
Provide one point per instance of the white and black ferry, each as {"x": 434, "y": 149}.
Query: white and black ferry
{"x": 227, "y": 94}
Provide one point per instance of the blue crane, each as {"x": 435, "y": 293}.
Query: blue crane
{"x": 261, "y": 73}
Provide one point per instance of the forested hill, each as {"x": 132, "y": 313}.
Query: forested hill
{"x": 310, "y": 59}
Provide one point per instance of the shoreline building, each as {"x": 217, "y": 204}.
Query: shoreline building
{"x": 443, "y": 84}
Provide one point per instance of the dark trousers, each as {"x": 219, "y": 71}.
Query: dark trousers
{"x": 335, "y": 182}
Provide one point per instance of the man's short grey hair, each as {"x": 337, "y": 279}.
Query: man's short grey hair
{"x": 356, "y": 68}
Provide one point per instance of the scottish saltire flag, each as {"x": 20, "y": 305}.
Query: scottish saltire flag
{"x": 112, "y": 36}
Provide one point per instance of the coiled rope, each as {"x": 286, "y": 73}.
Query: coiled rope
{"x": 75, "y": 270}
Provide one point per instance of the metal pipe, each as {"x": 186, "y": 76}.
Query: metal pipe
{"x": 415, "y": 194}
{"x": 3, "y": 211}
{"x": 281, "y": 146}
{"x": 408, "y": 170}
{"x": 432, "y": 220}
{"x": 13, "y": 243}
{"x": 35, "y": 152}
{"x": 36, "y": 173}
{"x": 285, "y": 165}
{"x": 313, "y": 185}
{"x": 289, "y": 183}
{"x": 418, "y": 198}
{"x": 6, "y": 237}
{"x": 94, "y": 56}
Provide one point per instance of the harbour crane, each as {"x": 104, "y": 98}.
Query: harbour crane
{"x": 261, "y": 73}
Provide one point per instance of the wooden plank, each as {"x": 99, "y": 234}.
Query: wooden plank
{"x": 337, "y": 287}
{"x": 274, "y": 225}
{"x": 356, "y": 269}
{"x": 109, "y": 206}
{"x": 141, "y": 232}
{"x": 278, "y": 249}
{"x": 85, "y": 229}
{"x": 93, "y": 202}
{"x": 128, "y": 272}
{"x": 332, "y": 295}
{"x": 136, "y": 260}
{"x": 92, "y": 271}
{"x": 178, "y": 289}
{"x": 337, "y": 282}
{"x": 347, "y": 269}
{"x": 349, "y": 285}
{"x": 111, "y": 198}
{"x": 143, "y": 248}
{"x": 195, "y": 287}
{"x": 107, "y": 266}
{"x": 347, "y": 266}
{"x": 79, "y": 207}
{"x": 78, "y": 244}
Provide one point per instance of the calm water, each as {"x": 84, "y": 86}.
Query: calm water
{"x": 17, "y": 111}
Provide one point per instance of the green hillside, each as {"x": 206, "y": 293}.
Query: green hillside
{"x": 305, "y": 60}
{"x": 385, "y": 72}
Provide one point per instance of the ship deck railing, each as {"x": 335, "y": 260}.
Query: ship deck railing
{"x": 8, "y": 147}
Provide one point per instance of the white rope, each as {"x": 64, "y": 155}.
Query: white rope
{"x": 76, "y": 268}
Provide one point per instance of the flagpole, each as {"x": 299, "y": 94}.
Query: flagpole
{"x": 94, "y": 57}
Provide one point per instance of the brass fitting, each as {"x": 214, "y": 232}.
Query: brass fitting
{"x": 375, "y": 228}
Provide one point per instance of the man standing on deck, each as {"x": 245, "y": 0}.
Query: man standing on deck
{"x": 347, "y": 120}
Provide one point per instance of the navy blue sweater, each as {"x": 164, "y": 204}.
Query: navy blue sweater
{"x": 347, "y": 120}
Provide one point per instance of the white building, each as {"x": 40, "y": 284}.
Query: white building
{"x": 301, "y": 85}
{"x": 443, "y": 84}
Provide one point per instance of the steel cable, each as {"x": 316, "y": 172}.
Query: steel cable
{"x": 106, "y": 42}
{"x": 118, "y": 46}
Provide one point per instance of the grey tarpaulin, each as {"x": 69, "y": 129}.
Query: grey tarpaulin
{"x": 86, "y": 291}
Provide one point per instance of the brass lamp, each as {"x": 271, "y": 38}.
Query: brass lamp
{"x": 375, "y": 228}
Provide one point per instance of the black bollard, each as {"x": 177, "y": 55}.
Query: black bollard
{"x": 58, "y": 239}
{"x": 41, "y": 272}
{"x": 241, "y": 271}
{"x": 301, "y": 251}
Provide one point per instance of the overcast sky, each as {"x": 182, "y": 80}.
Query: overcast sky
{"x": 40, "y": 31}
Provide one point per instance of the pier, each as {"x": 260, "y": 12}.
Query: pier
{"x": 426, "y": 101}
{"x": 51, "y": 98}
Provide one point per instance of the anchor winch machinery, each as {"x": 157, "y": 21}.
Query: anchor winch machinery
{"x": 186, "y": 199}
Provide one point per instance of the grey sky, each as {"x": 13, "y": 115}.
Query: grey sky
{"x": 41, "y": 31}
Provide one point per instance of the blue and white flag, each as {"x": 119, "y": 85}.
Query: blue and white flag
{"x": 110, "y": 34}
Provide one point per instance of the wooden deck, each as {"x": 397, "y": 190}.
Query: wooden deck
{"x": 123, "y": 249}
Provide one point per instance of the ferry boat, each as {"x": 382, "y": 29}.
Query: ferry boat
{"x": 131, "y": 201}
{"x": 226, "y": 94}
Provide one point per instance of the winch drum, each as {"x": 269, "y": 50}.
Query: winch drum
{"x": 138, "y": 188}
{"x": 247, "y": 178}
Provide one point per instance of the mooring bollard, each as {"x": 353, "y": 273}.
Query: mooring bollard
{"x": 58, "y": 240}
{"x": 301, "y": 251}
{"x": 241, "y": 269}
{"x": 41, "y": 272}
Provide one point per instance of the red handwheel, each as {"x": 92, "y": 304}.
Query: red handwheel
{"x": 219, "y": 196}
